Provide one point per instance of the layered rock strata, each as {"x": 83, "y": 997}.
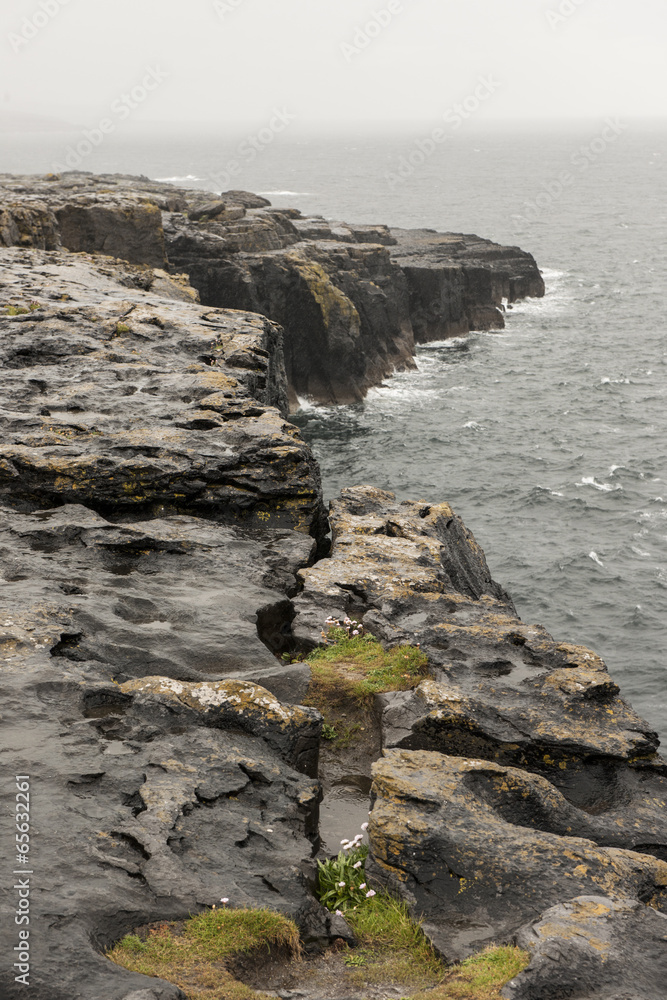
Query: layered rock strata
{"x": 135, "y": 405}
{"x": 156, "y": 505}
{"x": 516, "y": 777}
{"x": 352, "y": 300}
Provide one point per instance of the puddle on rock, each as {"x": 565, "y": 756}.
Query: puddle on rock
{"x": 344, "y": 808}
{"x": 345, "y": 773}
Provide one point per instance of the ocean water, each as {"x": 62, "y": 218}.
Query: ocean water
{"x": 549, "y": 438}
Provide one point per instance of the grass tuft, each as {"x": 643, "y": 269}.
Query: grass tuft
{"x": 481, "y": 977}
{"x": 392, "y": 945}
{"x": 357, "y": 668}
{"x": 195, "y": 955}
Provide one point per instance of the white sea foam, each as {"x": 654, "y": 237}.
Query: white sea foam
{"x": 553, "y": 493}
{"x": 178, "y": 180}
{"x": 308, "y": 406}
{"x": 472, "y": 425}
{"x": 604, "y": 487}
{"x": 595, "y": 557}
{"x": 450, "y": 342}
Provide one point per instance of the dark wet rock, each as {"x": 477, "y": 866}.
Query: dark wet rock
{"x": 461, "y": 840}
{"x": 502, "y": 690}
{"x": 460, "y": 283}
{"x": 598, "y": 752}
{"x": 352, "y": 298}
{"x": 136, "y": 818}
{"x": 150, "y": 486}
{"x": 125, "y": 412}
{"x": 594, "y": 948}
{"x": 294, "y": 732}
{"x": 176, "y": 596}
{"x": 343, "y": 306}
{"x": 390, "y": 557}
{"x": 135, "y": 404}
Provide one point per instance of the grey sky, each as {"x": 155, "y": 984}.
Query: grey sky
{"x": 239, "y": 61}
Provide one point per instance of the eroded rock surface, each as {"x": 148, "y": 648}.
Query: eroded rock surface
{"x": 160, "y": 518}
{"x": 516, "y": 776}
{"x": 478, "y": 850}
{"x": 594, "y": 948}
{"x": 135, "y": 404}
{"x": 460, "y": 283}
{"x": 140, "y": 815}
{"x": 352, "y": 299}
{"x": 139, "y": 688}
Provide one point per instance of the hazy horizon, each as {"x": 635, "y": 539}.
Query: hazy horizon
{"x": 390, "y": 65}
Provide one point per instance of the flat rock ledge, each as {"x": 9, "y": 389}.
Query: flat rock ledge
{"x": 139, "y": 402}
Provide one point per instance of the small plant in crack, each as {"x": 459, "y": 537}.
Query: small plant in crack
{"x": 342, "y": 880}
{"x": 339, "y": 629}
{"x": 352, "y": 665}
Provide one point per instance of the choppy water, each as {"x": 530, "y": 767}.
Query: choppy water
{"x": 548, "y": 439}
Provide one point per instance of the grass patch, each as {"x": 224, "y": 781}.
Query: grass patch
{"x": 195, "y": 955}
{"x": 356, "y": 668}
{"x": 12, "y": 310}
{"x": 394, "y": 949}
{"x": 481, "y": 977}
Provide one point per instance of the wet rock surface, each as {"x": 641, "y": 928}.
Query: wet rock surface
{"x": 479, "y": 850}
{"x": 460, "y": 283}
{"x": 158, "y": 785}
{"x": 137, "y": 640}
{"x": 352, "y": 299}
{"x": 516, "y": 777}
{"x": 594, "y": 948}
{"x": 136, "y": 404}
{"x": 139, "y": 815}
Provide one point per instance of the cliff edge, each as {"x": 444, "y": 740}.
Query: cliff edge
{"x": 352, "y": 299}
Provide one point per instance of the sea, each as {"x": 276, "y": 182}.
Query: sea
{"x": 549, "y": 438}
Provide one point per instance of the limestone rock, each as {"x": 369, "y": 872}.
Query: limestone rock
{"x": 245, "y": 198}
{"x": 175, "y": 596}
{"x": 352, "y": 298}
{"x": 388, "y": 555}
{"x": 470, "y": 846}
{"x": 501, "y": 690}
{"x": 460, "y": 283}
{"x": 594, "y": 948}
{"x": 292, "y": 731}
{"x": 125, "y": 401}
{"x": 136, "y": 818}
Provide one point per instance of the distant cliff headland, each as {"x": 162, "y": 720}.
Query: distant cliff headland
{"x": 352, "y": 300}
{"x": 168, "y": 569}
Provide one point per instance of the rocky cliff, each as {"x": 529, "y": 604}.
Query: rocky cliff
{"x": 352, "y": 300}
{"x": 162, "y": 545}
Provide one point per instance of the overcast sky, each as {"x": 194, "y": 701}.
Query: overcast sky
{"x": 326, "y": 61}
